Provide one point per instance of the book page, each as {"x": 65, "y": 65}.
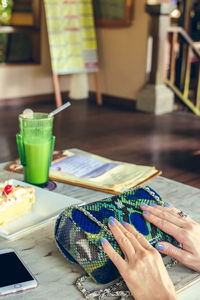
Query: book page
{"x": 82, "y": 166}
{"x": 92, "y": 171}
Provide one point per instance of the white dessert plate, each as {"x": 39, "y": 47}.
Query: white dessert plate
{"x": 48, "y": 205}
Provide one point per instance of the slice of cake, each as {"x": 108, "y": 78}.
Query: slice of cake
{"x": 15, "y": 202}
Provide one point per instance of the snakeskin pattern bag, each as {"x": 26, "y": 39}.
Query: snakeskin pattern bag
{"x": 79, "y": 230}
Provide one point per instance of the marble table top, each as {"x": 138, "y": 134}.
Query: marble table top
{"x": 56, "y": 276}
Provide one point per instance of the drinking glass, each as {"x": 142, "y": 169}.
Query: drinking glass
{"x": 35, "y": 144}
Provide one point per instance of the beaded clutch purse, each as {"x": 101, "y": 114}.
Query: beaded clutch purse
{"x": 78, "y": 230}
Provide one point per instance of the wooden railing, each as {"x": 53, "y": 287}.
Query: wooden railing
{"x": 183, "y": 75}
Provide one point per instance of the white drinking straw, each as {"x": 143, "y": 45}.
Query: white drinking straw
{"x": 57, "y": 110}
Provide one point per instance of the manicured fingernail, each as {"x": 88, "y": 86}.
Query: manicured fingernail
{"x": 143, "y": 204}
{"x": 112, "y": 221}
{"x": 153, "y": 204}
{"x": 146, "y": 213}
{"x": 104, "y": 241}
{"x": 167, "y": 205}
{"x": 124, "y": 224}
{"x": 160, "y": 247}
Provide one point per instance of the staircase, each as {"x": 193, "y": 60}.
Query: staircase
{"x": 183, "y": 75}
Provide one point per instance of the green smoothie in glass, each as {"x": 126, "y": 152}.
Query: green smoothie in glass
{"x": 35, "y": 146}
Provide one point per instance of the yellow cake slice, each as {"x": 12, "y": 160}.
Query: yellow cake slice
{"x": 15, "y": 203}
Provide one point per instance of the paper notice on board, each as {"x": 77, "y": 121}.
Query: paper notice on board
{"x": 72, "y": 37}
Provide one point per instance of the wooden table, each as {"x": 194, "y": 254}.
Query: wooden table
{"x": 56, "y": 276}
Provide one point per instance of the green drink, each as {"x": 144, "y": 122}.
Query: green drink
{"x": 37, "y": 159}
{"x": 35, "y": 146}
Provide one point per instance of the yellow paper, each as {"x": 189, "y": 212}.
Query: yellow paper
{"x": 87, "y": 21}
{"x": 74, "y": 50}
{"x": 75, "y": 62}
{"x": 71, "y": 23}
{"x": 85, "y": 9}
{"x": 88, "y": 33}
{"x": 87, "y": 45}
{"x": 72, "y": 36}
{"x": 70, "y": 9}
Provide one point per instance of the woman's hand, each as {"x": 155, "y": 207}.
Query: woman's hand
{"x": 182, "y": 228}
{"x": 142, "y": 269}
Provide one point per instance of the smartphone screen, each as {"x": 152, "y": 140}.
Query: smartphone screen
{"x": 14, "y": 276}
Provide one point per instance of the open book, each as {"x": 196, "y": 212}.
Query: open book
{"x": 88, "y": 170}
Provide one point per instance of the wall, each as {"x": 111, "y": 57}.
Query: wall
{"x": 122, "y": 58}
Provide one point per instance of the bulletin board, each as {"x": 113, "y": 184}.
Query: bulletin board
{"x": 113, "y": 13}
{"x": 72, "y": 41}
{"x": 72, "y": 38}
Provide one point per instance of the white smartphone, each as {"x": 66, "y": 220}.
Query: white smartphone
{"x": 14, "y": 275}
